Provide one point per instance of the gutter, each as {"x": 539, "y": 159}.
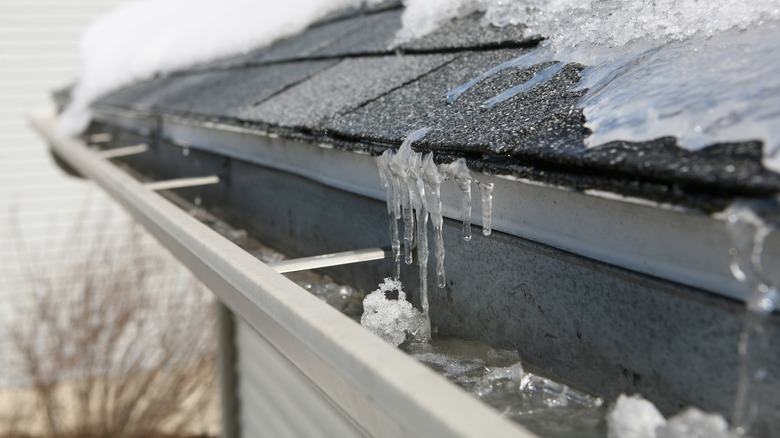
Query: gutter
{"x": 662, "y": 240}
{"x": 383, "y": 391}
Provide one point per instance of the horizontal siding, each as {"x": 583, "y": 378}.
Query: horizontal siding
{"x": 40, "y": 34}
{"x": 68, "y": 48}
{"x": 39, "y": 53}
{"x": 40, "y": 75}
{"x": 31, "y": 20}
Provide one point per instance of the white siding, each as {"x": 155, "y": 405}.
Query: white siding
{"x": 39, "y": 53}
{"x": 275, "y": 399}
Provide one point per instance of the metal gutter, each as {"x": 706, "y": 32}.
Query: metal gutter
{"x": 379, "y": 388}
{"x": 664, "y": 241}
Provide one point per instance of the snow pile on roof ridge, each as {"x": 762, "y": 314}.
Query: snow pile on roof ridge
{"x": 147, "y": 37}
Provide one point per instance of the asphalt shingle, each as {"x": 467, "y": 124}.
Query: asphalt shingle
{"x": 468, "y": 33}
{"x": 465, "y": 126}
{"x": 348, "y": 85}
{"x": 219, "y": 94}
{"x": 358, "y": 92}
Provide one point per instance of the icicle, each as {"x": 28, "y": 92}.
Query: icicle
{"x": 465, "y": 188}
{"x": 408, "y": 224}
{"x": 422, "y": 254}
{"x": 395, "y": 243}
{"x": 487, "y": 207}
{"x": 396, "y": 183}
{"x": 458, "y": 171}
{"x": 414, "y": 192}
{"x": 433, "y": 180}
{"x": 749, "y": 228}
{"x": 390, "y": 181}
{"x": 405, "y": 160}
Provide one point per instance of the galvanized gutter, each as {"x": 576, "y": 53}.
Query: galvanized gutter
{"x": 662, "y": 240}
{"x": 382, "y": 390}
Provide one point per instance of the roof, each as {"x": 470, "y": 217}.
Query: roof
{"x": 340, "y": 83}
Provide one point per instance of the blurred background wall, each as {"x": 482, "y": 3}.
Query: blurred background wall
{"x": 40, "y": 206}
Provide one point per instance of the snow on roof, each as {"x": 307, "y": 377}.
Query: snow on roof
{"x": 148, "y": 37}
{"x": 624, "y": 118}
{"x": 703, "y": 72}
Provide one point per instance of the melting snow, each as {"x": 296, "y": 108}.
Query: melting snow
{"x": 538, "y": 79}
{"x": 704, "y": 72}
{"x": 701, "y": 71}
{"x": 141, "y": 39}
{"x": 633, "y": 417}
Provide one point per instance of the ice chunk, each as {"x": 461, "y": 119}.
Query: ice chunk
{"x": 450, "y": 366}
{"x": 393, "y": 319}
{"x": 487, "y": 208}
{"x": 557, "y": 394}
{"x": 693, "y": 423}
{"x": 495, "y": 376}
{"x": 633, "y": 417}
{"x": 513, "y": 372}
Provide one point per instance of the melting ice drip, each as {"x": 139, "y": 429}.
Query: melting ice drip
{"x": 523, "y": 61}
{"x": 539, "y": 56}
{"x": 750, "y": 225}
{"x": 413, "y": 182}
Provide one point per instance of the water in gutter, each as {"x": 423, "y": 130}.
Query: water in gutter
{"x": 500, "y": 378}
{"x": 520, "y": 392}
